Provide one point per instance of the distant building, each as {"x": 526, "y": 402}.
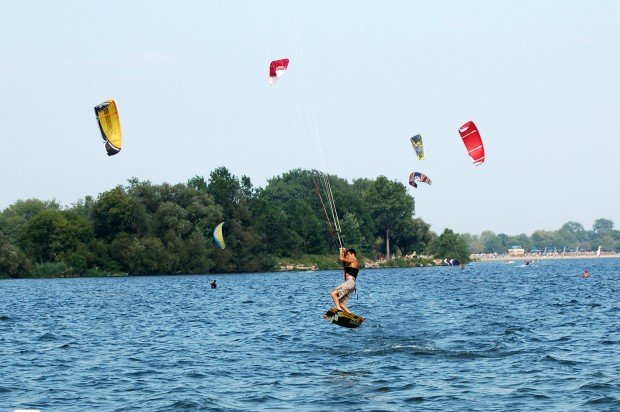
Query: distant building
{"x": 516, "y": 251}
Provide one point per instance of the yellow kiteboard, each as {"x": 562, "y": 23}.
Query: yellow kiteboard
{"x": 344, "y": 319}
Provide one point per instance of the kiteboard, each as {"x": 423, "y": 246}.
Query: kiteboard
{"x": 344, "y": 319}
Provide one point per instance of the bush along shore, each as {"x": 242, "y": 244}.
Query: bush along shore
{"x": 329, "y": 263}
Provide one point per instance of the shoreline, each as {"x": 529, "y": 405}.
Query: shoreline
{"x": 380, "y": 264}
{"x": 529, "y": 257}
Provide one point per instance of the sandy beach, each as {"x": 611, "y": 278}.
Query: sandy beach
{"x": 532, "y": 256}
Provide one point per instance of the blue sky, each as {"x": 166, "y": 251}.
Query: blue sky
{"x": 540, "y": 79}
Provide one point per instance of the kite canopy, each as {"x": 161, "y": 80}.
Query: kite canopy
{"x": 419, "y": 177}
{"x": 277, "y": 68}
{"x": 110, "y": 126}
{"x": 473, "y": 142}
{"x": 418, "y": 146}
{"x": 218, "y": 236}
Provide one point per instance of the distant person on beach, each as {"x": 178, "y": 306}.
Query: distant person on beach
{"x": 342, "y": 293}
{"x": 213, "y": 284}
{"x": 585, "y": 274}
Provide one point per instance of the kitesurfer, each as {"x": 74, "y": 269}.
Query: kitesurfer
{"x": 213, "y": 284}
{"x": 342, "y": 293}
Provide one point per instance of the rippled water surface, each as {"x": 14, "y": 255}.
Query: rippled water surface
{"x": 492, "y": 337}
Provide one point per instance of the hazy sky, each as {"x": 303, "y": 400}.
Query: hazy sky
{"x": 539, "y": 78}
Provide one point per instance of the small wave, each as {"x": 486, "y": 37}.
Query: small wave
{"x": 609, "y": 342}
{"x": 604, "y": 400}
{"x": 196, "y": 375}
{"x": 139, "y": 374}
{"x": 47, "y": 337}
{"x": 596, "y": 386}
{"x": 65, "y": 346}
{"x": 515, "y": 330}
{"x": 466, "y": 355}
{"x": 353, "y": 373}
{"x": 412, "y": 349}
{"x": 262, "y": 399}
{"x": 571, "y": 302}
{"x": 531, "y": 393}
{"x": 428, "y": 350}
{"x": 5, "y": 317}
{"x": 415, "y": 399}
{"x": 540, "y": 396}
{"x": 549, "y": 358}
{"x": 184, "y": 405}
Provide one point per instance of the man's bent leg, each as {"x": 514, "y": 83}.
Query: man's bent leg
{"x": 334, "y": 295}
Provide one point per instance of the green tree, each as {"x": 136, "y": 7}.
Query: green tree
{"x": 194, "y": 254}
{"x": 602, "y": 226}
{"x": 451, "y": 246}
{"x": 412, "y": 235}
{"x": 83, "y": 206}
{"x": 13, "y": 262}
{"x": 608, "y": 243}
{"x": 198, "y": 183}
{"x": 273, "y": 227}
{"x": 492, "y": 242}
{"x": 542, "y": 239}
{"x": 172, "y": 221}
{"x": 474, "y": 243}
{"x": 352, "y": 226}
{"x": 52, "y": 235}
{"x": 247, "y": 190}
{"x": 571, "y": 234}
{"x": 142, "y": 256}
{"x": 225, "y": 189}
{"x": 116, "y": 212}
{"x": 288, "y": 215}
{"x": 13, "y": 218}
{"x": 389, "y": 205}
{"x": 504, "y": 240}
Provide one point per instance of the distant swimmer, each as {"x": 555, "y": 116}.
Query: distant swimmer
{"x": 585, "y": 274}
{"x": 342, "y": 293}
{"x": 213, "y": 284}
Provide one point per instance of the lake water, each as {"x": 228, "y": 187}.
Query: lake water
{"x": 491, "y": 337}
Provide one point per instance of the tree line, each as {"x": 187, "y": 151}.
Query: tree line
{"x": 571, "y": 237}
{"x": 144, "y": 229}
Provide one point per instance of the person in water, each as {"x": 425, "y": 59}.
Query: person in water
{"x": 213, "y": 284}
{"x": 342, "y": 293}
{"x": 585, "y": 274}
